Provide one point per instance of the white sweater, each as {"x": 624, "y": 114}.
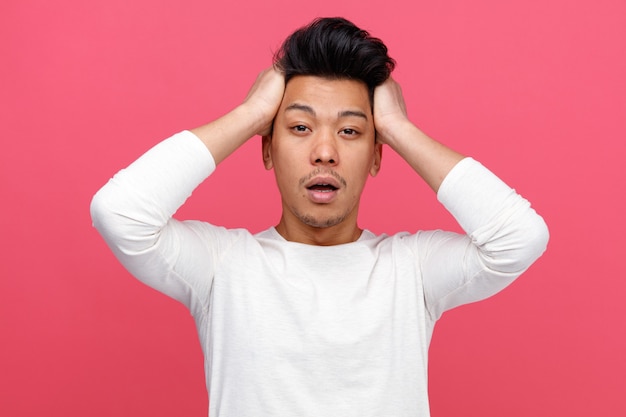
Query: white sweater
{"x": 296, "y": 330}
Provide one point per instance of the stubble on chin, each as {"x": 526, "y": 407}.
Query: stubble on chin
{"x": 317, "y": 222}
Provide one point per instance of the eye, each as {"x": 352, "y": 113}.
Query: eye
{"x": 349, "y": 132}
{"x": 300, "y": 128}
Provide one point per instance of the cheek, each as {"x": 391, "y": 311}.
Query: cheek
{"x": 287, "y": 175}
{"x": 366, "y": 163}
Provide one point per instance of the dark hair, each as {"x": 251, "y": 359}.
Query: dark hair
{"x": 335, "y": 48}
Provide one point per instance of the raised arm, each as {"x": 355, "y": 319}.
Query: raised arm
{"x": 133, "y": 211}
{"x": 253, "y": 117}
{"x": 429, "y": 158}
{"x": 504, "y": 235}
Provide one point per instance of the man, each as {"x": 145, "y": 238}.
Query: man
{"x": 317, "y": 317}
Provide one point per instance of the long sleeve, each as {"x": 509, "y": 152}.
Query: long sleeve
{"x": 504, "y": 236}
{"x": 133, "y": 213}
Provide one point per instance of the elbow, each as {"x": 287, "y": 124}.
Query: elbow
{"x": 106, "y": 211}
{"x": 121, "y": 220}
{"x": 108, "y": 215}
{"x": 516, "y": 250}
{"x": 537, "y": 237}
{"x": 533, "y": 242}
{"x": 99, "y": 209}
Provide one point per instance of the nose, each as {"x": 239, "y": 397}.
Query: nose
{"x": 324, "y": 151}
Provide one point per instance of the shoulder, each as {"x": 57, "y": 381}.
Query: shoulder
{"x": 418, "y": 244}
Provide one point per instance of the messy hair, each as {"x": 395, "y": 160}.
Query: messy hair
{"x": 335, "y": 48}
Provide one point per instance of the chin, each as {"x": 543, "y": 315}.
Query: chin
{"x": 321, "y": 222}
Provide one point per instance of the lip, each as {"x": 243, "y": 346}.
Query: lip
{"x": 323, "y": 179}
{"x": 322, "y": 197}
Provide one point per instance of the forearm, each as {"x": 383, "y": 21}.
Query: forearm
{"x": 504, "y": 237}
{"x": 253, "y": 117}
{"x": 131, "y": 209}
{"x": 429, "y": 158}
{"x": 224, "y": 135}
{"x": 506, "y": 230}
{"x": 133, "y": 213}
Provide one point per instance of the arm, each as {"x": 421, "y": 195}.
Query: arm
{"x": 504, "y": 235}
{"x": 429, "y": 158}
{"x": 253, "y": 117}
{"x": 133, "y": 211}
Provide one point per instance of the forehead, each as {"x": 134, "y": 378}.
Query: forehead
{"x": 326, "y": 95}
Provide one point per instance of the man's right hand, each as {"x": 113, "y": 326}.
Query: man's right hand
{"x": 264, "y": 98}
{"x": 253, "y": 117}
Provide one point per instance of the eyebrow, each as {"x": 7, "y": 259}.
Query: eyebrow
{"x": 302, "y": 107}
{"x": 352, "y": 113}
{"x": 308, "y": 109}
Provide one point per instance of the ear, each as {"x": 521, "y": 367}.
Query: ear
{"x": 266, "y": 144}
{"x": 378, "y": 156}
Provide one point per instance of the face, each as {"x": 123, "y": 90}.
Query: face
{"x": 322, "y": 150}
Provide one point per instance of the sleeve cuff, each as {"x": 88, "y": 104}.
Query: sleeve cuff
{"x": 473, "y": 194}
{"x": 195, "y": 145}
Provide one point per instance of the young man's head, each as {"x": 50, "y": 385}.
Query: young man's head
{"x": 335, "y": 48}
{"x": 322, "y": 147}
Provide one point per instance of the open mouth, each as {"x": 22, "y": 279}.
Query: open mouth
{"x": 323, "y": 188}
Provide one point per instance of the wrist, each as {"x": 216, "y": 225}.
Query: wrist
{"x": 258, "y": 120}
{"x": 394, "y": 132}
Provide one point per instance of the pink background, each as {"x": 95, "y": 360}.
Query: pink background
{"x": 535, "y": 90}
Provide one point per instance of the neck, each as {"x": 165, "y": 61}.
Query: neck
{"x": 319, "y": 236}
